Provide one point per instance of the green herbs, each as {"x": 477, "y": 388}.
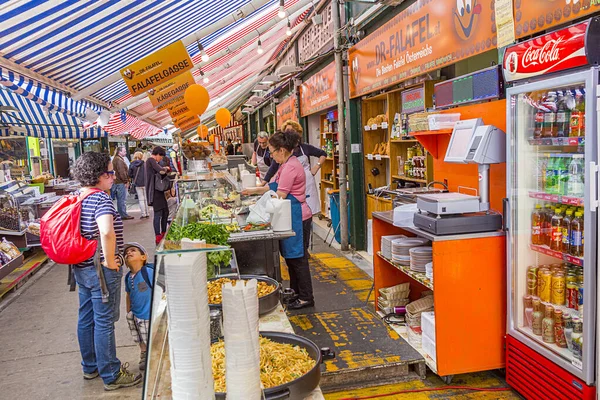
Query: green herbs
{"x": 212, "y": 234}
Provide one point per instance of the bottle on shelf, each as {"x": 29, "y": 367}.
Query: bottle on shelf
{"x": 563, "y": 176}
{"x": 538, "y": 316}
{"x": 577, "y": 338}
{"x": 549, "y": 106}
{"x": 551, "y": 183}
{"x": 563, "y": 118}
{"x": 556, "y": 226}
{"x": 577, "y": 120}
{"x": 542, "y": 167}
{"x": 575, "y": 186}
{"x": 548, "y": 325}
{"x": 577, "y": 235}
{"x": 559, "y": 329}
{"x": 536, "y": 225}
{"x": 566, "y": 232}
{"x": 538, "y": 123}
{"x": 568, "y": 329}
{"x": 547, "y": 224}
{"x": 528, "y": 310}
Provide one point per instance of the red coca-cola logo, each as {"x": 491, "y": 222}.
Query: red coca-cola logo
{"x": 549, "y": 53}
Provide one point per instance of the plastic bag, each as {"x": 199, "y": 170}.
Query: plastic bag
{"x": 262, "y": 211}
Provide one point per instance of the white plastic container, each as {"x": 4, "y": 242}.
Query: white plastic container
{"x": 404, "y": 215}
{"x": 442, "y": 121}
{"x": 428, "y": 324}
{"x": 282, "y": 215}
{"x": 248, "y": 181}
{"x": 428, "y": 347}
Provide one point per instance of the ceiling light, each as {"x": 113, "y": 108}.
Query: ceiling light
{"x": 255, "y": 90}
{"x": 282, "y": 14}
{"x": 269, "y": 79}
{"x": 203, "y": 56}
{"x": 259, "y": 50}
{"x": 288, "y": 31}
{"x": 204, "y": 77}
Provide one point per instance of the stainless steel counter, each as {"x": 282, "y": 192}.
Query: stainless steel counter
{"x": 259, "y": 235}
{"x": 388, "y": 216}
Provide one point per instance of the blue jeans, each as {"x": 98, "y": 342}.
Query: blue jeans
{"x": 121, "y": 195}
{"x": 96, "y": 325}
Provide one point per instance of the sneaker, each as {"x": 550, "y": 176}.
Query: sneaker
{"x": 126, "y": 217}
{"x": 91, "y": 375}
{"x": 142, "y": 363}
{"x": 124, "y": 379}
{"x": 298, "y": 304}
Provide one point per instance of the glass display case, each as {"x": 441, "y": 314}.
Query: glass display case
{"x": 14, "y": 151}
{"x": 15, "y": 214}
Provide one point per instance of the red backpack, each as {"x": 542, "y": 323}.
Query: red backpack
{"x": 60, "y": 231}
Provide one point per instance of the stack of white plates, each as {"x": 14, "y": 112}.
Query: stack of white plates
{"x": 420, "y": 257}
{"x": 386, "y": 245}
{"x": 429, "y": 271}
{"x": 401, "y": 248}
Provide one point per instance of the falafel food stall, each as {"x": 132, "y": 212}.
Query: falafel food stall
{"x": 210, "y": 335}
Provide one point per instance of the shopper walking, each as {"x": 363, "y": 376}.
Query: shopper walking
{"x": 156, "y": 198}
{"x": 290, "y": 183}
{"x": 96, "y": 325}
{"x": 137, "y": 174}
{"x": 121, "y": 181}
{"x": 261, "y": 157}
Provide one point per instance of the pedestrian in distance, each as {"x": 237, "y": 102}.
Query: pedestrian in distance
{"x": 156, "y": 198}
{"x": 137, "y": 173}
{"x": 121, "y": 184}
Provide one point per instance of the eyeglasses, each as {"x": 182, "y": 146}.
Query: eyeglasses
{"x": 110, "y": 172}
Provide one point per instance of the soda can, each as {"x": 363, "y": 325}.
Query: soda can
{"x": 558, "y": 289}
{"x": 532, "y": 280}
{"x": 545, "y": 286}
{"x": 572, "y": 294}
{"x": 580, "y": 297}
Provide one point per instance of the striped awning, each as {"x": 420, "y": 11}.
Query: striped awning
{"x": 123, "y": 123}
{"x": 33, "y": 120}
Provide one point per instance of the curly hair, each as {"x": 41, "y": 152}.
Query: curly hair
{"x": 290, "y": 124}
{"x": 89, "y": 167}
{"x": 288, "y": 140}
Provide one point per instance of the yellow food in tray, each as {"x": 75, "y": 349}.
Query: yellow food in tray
{"x": 215, "y": 289}
{"x": 279, "y": 363}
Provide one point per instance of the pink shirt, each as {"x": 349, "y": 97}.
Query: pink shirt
{"x": 291, "y": 179}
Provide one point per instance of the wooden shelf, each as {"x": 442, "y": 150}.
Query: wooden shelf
{"x": 375, "y": 158}
{"x": 417, "y": 276}
{"x": 329, "y": 159}
{"x": 329, "y": 133}
{"x": 327, "y": 182}
{"x": 404, "y": 178}
{"x": 429, "y": 139}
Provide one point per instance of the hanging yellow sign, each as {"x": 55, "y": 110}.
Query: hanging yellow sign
{"x": 178, "y": 110}
{"x": 157, "y": 68}
{"x": 171, "y": 90}
{"x": 190, "y": 125}
{"x": 184, "y": 119}
{"x": 177, "y": 102}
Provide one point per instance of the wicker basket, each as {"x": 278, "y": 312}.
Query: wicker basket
{"x": 418, "y": 122}
{"x": 418, "y": 306}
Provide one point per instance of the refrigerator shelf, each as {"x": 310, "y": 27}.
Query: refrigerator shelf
{"x": 565, "y": 353}
{"x": 557, "y": 254}
{"x": 556, "y": 198}
{"x": 567, "y": 141}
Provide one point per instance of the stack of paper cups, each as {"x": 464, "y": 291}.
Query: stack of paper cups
{"x": 242, "y": 351}
{"x": 189, "y": 326}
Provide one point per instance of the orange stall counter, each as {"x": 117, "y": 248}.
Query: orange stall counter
{"x": 469, "y": 290}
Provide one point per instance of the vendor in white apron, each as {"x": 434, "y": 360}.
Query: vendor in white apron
{"x": 261, "y": 157}
{"x": 303, "y": 153}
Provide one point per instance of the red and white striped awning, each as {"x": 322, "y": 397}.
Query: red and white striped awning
{"x": 123, "y": 123}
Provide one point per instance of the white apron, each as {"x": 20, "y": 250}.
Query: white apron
{"x": 260, "y": 163}
{"x": 312, "y": 195}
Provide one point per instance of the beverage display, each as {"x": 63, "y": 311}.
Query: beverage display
{"x": 563, "y": 117}
{"x": 536, "y": 225}
{"x": 576, "y": 247}
{"x": 556, "y": 230}
{"x": 577, "y": 119}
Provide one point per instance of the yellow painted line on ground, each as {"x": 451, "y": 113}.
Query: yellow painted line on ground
{"x": 301, "y": 321}
{"x": 480, "y": 380}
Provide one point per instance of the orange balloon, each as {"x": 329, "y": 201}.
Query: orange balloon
{"x": 196, "y": 98}
{"x": 211, "y": 138}
{"x": 223, "y": 117}
{"x": 202, "y": 131}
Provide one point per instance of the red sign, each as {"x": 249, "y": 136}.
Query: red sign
{"x": 553, "y": 52}
{"x": 287, "y": 109}
{"x": 318, "y": 92}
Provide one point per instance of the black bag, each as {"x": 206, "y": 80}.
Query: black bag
{"x": 132, "y": 185}
{"x": 162, "y": 183}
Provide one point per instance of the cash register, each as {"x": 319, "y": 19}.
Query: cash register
{"x": 472, "y": 142}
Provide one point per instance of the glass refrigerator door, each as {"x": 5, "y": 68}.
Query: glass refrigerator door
{"x": 552, "y": 223}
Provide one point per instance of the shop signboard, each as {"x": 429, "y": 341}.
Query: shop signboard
{"x": 532, "y": 16}
{"x": 287, "y": 109}
{"x": 170, "y": 90}
{"x": 426, "y": 36}
{"x": 189, "y": 124}
{"x": 178, "y": 109}
{"x": 176, "y": 102}
{"x": 560, "y": 50}
{"x": 157, "y": 68}
{"x": 413, "y": 100}
{"x": 318, "y": 93}
{"x": 184, "y": 119}
{"x": 235, "y": 132}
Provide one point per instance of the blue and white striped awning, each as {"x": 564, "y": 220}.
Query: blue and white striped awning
{"x": 33, "y": 120}
{"x": 77, "y": 43}
{"x": 48, "y": 97}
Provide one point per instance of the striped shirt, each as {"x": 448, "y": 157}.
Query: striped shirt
{"x": 93, "y": 207}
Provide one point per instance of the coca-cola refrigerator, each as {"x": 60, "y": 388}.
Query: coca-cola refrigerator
{"x": 551, "y": 213}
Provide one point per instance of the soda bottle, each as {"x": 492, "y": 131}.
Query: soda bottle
{"x": 550, "y": 185}
{"x": 577, "y": 338}
{"x": 538, "y": 124}
{"x": 577, "y": 120}
{"x": 566, "y": 232}
{"x": 536, "y": 225}
{"x": 563, "y": 118}
{"x": 577, "y": 235}
{"x": 563, "y": 176}
{"x": 575, "y": 186}
{"x": 547, "y": 224}
{"x": 556, "y": 224}
{"x": 542, "y": 166}
{"x": 550, "y": 128}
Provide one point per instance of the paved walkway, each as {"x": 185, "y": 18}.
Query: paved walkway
{"x": 39, "y": 356}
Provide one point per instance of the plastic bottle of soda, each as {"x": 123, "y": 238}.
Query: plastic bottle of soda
{"x": 563, "y": 175}
{"x": 575, "y": 186}
{"x": 550, "y": 184}
{"x": 547, "y": 224}
{"x": 563, "y": 118}
{"x": 577, "y": 235}
{"x": 577, "y": 120}
{"x": 550, "y": 127}
{"x": 566, "y": 232}
{"x": 556, "y": 224}
{"x": 536, "y": 225}
{"x": 538, "y": 124}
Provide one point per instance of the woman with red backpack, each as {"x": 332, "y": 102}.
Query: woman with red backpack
{"x": 96, "y": 326}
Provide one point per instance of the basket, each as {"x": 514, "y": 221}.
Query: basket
{"x": 418, "y": 306}
{"x": 400, "y": 291}
{"x": 418, "y": 122}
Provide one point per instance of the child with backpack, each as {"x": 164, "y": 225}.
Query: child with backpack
{"x": 138, "y": 285}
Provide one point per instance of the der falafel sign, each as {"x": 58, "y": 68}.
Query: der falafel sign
{"x": 287, "y": 109}
{"x": 426, "y": 36}
{"x": 532, "y": 16}
{"x": 318, "y": 93}
{"x": 157, "y": 68}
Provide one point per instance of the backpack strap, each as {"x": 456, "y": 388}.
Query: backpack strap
{"x": 144, "y": 272}
{"x": 88, "y": 192}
